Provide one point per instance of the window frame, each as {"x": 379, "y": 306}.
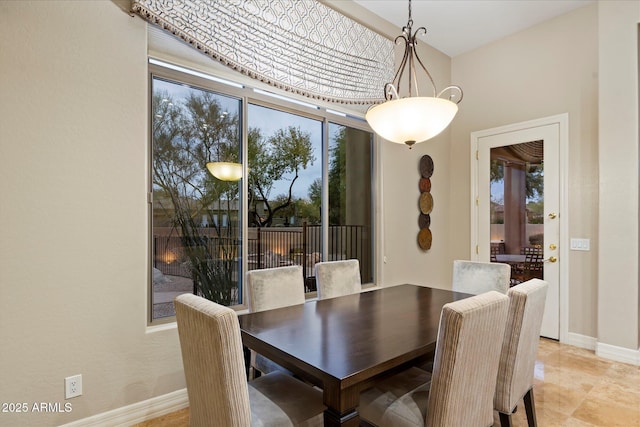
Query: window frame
{"x": 279, "y": 100}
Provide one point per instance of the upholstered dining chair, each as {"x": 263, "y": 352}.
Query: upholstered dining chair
{"x": 519, "y": 349}
{"x": 217, "y": 386}
{"x": 272, "y": 288}
{"x": 474, "y": 277}
{"x": 337, "y": 278}
{"x": 460, "y": 390}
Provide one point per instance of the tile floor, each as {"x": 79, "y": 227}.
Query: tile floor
{"x": 573, "y": 388}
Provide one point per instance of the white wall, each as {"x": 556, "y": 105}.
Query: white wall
{"x": 74, "y": 238}
{"x": 618, "y": 167}
{"x": 548, "y": 69}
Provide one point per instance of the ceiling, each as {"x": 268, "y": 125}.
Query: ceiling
{"x": 458, "y": 26}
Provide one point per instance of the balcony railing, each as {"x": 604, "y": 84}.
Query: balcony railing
{"x": 270, "y": 247}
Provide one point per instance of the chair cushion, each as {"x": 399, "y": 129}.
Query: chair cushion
{"x": 400, "y": 400}
{"x": 272, "y": 288}
{"x": 337, "y": 278}
{"x": 466, "y": 361}
{"x": 278, "y": 400}
{"x": 520, "y": 344}
{"x": 213, "y": 362}
{"x": 266, "y": 365}
{"x": 474, "y": 277}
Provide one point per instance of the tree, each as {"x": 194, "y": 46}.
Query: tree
{"x": 337, "y": 180}
{"x": 188, "y": 133}
{"x": 311, "y": 210}
{"x": 286, "y": 152}
{"x": 496, "y": 172}
{"x": 534, "y": 180}
{"x": 186, "y": 136}
{"x": 536, "y": 212}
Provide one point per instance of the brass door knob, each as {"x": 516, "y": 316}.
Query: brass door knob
{"x": 553, "y": 247}
{"x": 552, "y": 215}
{"x": 552, "y": 259}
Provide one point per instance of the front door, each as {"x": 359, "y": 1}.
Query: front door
{"x": 517, "y": 189}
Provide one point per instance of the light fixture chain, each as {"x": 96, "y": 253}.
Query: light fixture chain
{"x": 413, "y": 118}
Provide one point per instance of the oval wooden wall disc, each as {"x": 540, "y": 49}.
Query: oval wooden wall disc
{"x": 424, "y": 185}
{"x": 424, "y": 221}
{"x": 424, "y": 239}
{"x": 426, "y": 203}
{"x": 426, "y": 166}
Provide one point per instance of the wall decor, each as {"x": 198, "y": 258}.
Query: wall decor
{"x": 425, "y": 203}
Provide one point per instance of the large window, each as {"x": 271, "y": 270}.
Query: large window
{"x": 308, "y": 187}
{"x": 284, "y": 190}
{"x": 196, "y": 221}
{"x": 349, "y": 188}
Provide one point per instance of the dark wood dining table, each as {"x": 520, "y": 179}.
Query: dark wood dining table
{"x": 511, "y": 258}
{"x": 343, "y": 345}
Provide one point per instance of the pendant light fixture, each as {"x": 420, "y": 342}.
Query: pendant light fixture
{"x": 414, "y": 118}
{"x": 225, "y": 171}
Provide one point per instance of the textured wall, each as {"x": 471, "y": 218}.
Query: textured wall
{"x": 618, "y": 294}
{"x": 548, "y": 69}
{"x": 73, "y": 251}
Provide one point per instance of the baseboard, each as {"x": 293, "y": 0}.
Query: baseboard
{"x": 137, "y": 412}
{"x": 606, "y": 351}
{"x": 582, "y": 341}
{"x": 619, "y": 354}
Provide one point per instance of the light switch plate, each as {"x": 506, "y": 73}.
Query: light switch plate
{"x": 580, "y": 244}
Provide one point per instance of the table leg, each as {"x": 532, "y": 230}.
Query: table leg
{"x": 342, "y": 406}
{"x": 334, "y": 419}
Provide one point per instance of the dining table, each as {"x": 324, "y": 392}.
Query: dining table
{"x": 512, "y": 259}
{"x": 344, "y": 345}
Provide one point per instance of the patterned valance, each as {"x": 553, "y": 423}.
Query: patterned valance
{"x": 301, "y": 46}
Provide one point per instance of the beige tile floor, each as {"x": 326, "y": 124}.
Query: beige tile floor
{"x": 573, "y": 388}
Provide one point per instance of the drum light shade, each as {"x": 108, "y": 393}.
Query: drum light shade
{"x": 225, "y": 171}
{"x": 411, "y": 120}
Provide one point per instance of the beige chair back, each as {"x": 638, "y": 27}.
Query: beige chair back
{"x": 466, "y": 361}
{"x": 272, "y": 288}
{"x": 213, "y": 362}
{"x": 473, "y": 277}
{"x": 218, "y": 391}
{"x": 520, "y": 344}
{"x": 337, "y": 278}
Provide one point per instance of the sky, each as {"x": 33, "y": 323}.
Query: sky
{"x": 269, "y": 121}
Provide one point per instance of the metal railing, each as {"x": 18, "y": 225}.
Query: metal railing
{"x": 272, "y": 247}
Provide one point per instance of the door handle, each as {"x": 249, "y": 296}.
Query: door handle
{"x": 552, "y": 259}
{"x": 553, "y": 247}
{"x": 553, "y": 215}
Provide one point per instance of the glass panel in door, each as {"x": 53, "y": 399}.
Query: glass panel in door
{"x": 517, "y": 209}
{"x": 491, "y": 193}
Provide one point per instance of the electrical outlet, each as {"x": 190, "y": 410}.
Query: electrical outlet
{"x": 72, "y": 386}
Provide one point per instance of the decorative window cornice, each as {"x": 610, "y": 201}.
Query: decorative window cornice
{"x": 301, "y": 46}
